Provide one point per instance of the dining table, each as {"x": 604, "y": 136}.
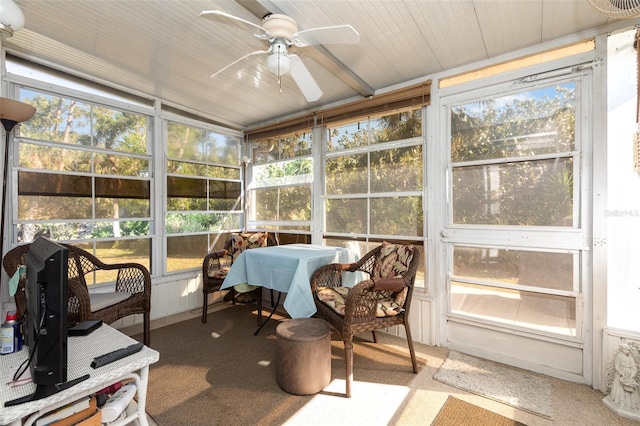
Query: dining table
{"x": 286, "y": 269}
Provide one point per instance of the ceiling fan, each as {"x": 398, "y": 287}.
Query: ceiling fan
{"x": 281, "y": 33}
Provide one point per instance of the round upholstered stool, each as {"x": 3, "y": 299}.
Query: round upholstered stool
{"x": 303, "y": 355}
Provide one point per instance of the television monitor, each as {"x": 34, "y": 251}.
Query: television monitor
{"x": 45, "y": 327}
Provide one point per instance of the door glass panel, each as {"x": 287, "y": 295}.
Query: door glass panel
{"x": 508, "y": 266}
{"x": 535, "y": 122}
{"x": 544, "y": 312}
{"x": 528, "y": 193}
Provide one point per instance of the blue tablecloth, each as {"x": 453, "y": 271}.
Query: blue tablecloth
{"x": 287, "y": 269}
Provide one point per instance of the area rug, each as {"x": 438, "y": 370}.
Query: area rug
{"x": 456, "y": 412}
{"x": 518, "y": 388}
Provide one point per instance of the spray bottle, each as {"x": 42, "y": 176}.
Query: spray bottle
{"x": 11, "y": 334}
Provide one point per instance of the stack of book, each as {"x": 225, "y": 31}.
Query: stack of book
{"x": 82, "y": 412}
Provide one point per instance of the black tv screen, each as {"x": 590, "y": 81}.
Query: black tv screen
{"x": 45, "y": 328}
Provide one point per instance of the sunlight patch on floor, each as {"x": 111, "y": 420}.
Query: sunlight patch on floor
{"x": 383, "y": 401}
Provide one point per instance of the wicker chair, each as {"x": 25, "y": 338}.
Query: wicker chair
{"x": 381, "y": 301}
{"x": 132, "y": 278}
{"x": 213, "y": 273}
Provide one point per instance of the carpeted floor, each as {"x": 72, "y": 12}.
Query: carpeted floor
{"x": 218, "y": 373}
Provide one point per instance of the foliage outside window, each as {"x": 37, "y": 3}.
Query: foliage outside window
{"x": 373, "y": 182}
{"x": 204, "y": 192}
{"x": 84, "y": 174}
{"x": 373, "y": 177}
{"x": 281, "y": 189}
{"x": 513, "y": 159}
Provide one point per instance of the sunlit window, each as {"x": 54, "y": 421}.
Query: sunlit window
{"x": 84, "y": 174}
{"x": 204, "y": 193}
{"x": 513, "y": 158}
{"x": 373, "y": 182}
{"x": 281, "y": 189}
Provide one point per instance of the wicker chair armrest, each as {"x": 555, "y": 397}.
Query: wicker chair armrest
{"x": 132, "y": 278}
{"x": 215, "y": 255}
{"x": 395, "y": 284}
{"x": 79, "y": 303}
{"x": 362, "y": 302}
{"x": 209, "y": 261}
{"x": 326, "y": 276}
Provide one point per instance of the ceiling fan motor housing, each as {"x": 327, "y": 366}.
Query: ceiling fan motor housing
{"x": 280, "y": 25}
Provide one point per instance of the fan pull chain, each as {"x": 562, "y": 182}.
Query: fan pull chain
{"x": 279, "y": 74}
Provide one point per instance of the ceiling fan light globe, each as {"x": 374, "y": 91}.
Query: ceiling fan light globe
{"x": 278, "y": 64}
{"x": 11, "y": 15}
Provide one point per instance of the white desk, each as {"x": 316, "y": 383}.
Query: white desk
{"x": 287, "y": 269}
{"x": 81, "y": 351}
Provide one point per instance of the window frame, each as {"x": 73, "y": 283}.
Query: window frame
{"x": 368, "y": 196}
{"x": 280, "y": 226}
{"x": 364, "y": 242}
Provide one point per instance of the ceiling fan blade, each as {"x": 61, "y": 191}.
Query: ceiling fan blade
{"x": 214, "y": 13}
{"x": 304, "y": 79}
{"x": 258, "y": 52}
{"x": 340, "y": 34}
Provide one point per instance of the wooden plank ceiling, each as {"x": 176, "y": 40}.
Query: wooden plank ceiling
{"x": 164, "y": 49}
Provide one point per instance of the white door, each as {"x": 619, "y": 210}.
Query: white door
{"x": 515, "y": 240}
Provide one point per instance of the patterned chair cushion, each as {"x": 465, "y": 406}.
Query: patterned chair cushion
{"x": 335, "y": 298}
{"x": 393, "y": 261}
{"x": 218, "y": 267}
{"x": 217, "y": 273}
{"x": 241, "y": 242}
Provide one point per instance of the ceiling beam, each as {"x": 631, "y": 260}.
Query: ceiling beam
{"x": 255, "y": 8}
{"x": 318, "y": 52}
